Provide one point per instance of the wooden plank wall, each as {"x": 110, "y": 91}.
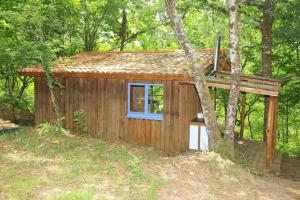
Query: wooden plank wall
{"x": 43, "y": 106}
{"x": 105, "y": 101}
{"x": 188, "y": 108}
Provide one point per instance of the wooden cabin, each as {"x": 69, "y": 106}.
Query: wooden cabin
{"x": 145, "y": 97}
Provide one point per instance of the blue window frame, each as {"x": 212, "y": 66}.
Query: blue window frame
{"x": 145, "y": 101}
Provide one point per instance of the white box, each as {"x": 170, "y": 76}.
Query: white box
{"x": 194, "y": 137}
{"x": 198, "y": 138}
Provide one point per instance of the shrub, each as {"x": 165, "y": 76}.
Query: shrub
{"x": 48, "y": 129}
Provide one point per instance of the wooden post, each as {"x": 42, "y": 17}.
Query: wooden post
{"x": 243, "y": 115}
{"x": 271, "y": 129}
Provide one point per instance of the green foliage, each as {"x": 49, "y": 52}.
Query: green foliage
{"x": 47, "y": 129}
{"x": 80, "y": 120}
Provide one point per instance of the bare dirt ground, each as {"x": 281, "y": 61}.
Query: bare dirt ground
{"x": 44, "y": 167}
{"x": 207, "y": 176}
{"x": 290, "y": 168}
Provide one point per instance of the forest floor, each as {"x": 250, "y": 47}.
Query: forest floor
{"x": 38, "y": 165}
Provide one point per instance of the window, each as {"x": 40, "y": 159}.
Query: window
{"x": 145, "y": 101}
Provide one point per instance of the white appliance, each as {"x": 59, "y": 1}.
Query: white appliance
{"x": 198, "y": 138}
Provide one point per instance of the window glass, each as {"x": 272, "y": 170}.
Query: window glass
{"x": 137, "y": 98}
{"x": 155, "y": 99}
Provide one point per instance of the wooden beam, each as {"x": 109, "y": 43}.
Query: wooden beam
{"x": 128, "y": 76}
{"x": 244, "y": 87}
{"x": 253, "y": 78}
{"x": 271, "y": 129}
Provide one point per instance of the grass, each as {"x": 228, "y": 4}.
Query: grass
{"x": 74, "y": 195}
{"x": 37, "y": 163}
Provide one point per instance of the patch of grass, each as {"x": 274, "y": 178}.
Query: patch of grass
{"x": 73, "y": 173}
{"x": 21, "y": 187}
{"x": 244, "y": 162}
{"x": 76, "y": 162}
{"x": 21, "y": 137}
{"x": 151, "y": 191}
{"x": 133, "y": 165}
{"x": 7, "y": 136}
{"x": 84, "y": 194}
{"x": 10, "y": 173}
{"x": 213, "y": 165}
{"x": 111, "y": 169}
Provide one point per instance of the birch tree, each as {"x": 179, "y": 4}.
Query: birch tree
{"x": 235, "y": 68}
{"x": 198, "y": 75}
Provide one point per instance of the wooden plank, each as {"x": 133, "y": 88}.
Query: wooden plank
{"x": 100, "y": 108}
{"x": 106, "y": 106}
{"x": 165, "y": 137}
{"x": 92, "y": 105}
{"x": 254, "y": 78}
{"x": 77, "y": 101}
{"x": 175, "y": 136}
{"x": 256, "y": 88}
{"x": 125, "y": 126}
{"x": 244, "y": 89}
{"x": 37, "y": 103}
{"x": 73, "y": 101}
{"x": 112, "y": 114}
{"x": 147, "y": 137}
{"x": 122, "y": 90}
{"x": 181, "y": 113}
{"x": 62, "y": 101}
{"x": 67, "y": 103}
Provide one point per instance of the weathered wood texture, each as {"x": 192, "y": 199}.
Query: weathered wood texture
{"x": 271, "y": 131}
{"x": 105, "y": 102}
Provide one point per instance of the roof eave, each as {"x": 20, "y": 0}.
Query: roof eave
{"x": 129, "y": 76}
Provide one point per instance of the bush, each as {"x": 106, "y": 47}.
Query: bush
{"x": 47, "y": 129}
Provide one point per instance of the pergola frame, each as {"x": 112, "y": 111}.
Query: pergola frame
{"x": 256, "y": 85}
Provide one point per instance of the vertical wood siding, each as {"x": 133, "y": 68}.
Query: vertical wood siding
{"x": 105, "y": 101}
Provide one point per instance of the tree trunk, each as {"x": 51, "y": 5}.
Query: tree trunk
{"x": 243, "y": 116}
{"x": 198, "y": 75}
{"x": 268, "y": 9}
{"x": 123, "y": 30}
{"x": 287, "y": 124}
{"x": 10, "y": 83}
{"x": 250, "y": 126}
{"x": 235, "y": 69}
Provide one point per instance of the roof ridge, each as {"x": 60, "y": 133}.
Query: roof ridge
{"x": 139, "y": 51}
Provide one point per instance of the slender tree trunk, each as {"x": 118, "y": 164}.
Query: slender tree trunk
{"x": 123, "y": 30}
{"x": 235, "y": 69}
{"x": 243, "y": 115}
{"x": 287, "y": 125}
{"x": 198, "y": 75}
{"x": 268, "y": 9}
{"x": 10, "y": 83}
{"x": 25, "y": 81}
{"x": 250, "y": 126}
